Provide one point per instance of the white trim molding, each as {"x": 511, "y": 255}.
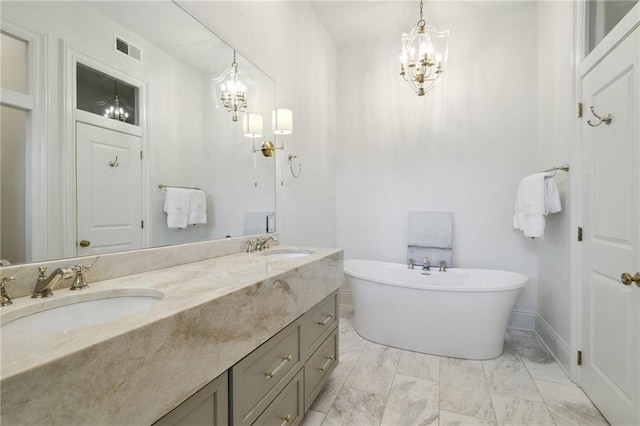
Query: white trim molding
{"x": 522, "y": 320}
{"x": 555, "y": 344}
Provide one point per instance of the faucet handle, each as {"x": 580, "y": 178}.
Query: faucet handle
{"x": 251, "y": 245}
{"x": 4, "y": 297}
{"x": 411, "y": 262}
{"x": 42, "y": 273}
{"x": 79, "y": 283}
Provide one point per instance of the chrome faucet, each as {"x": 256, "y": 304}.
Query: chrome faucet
{"x": 425, "y": 264}
{"x": 443, "y": 266}
{"x": 411, "y": 262}
{"x": 4, "y": 297}
{"x": 44, "y": 285}
{"x": 261, "y": 243}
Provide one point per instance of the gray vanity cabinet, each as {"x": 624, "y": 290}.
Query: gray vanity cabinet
{"x": 207, "y": 407}
{"x": 276, "y": 383}
{"x": 260, "y": 376}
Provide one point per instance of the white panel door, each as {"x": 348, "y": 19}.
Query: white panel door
{"x": 109, "y": 197}
{"x": 610, "y": 372}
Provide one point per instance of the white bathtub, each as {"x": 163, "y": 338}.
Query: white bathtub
{"x": 460, "y": 313}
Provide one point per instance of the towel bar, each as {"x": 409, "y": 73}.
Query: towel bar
{"x": 174, "y": 186}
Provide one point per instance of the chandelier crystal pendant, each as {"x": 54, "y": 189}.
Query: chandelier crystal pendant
{"x": 424, "y": 56}
{"x": 230, "y": 90}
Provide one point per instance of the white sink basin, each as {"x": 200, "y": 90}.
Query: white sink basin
{"x": 61, "y": 314}
{"x": 287, "y": 253}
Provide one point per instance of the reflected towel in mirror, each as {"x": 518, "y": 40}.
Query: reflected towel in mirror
{"x": 197, "y": 207}
{"x": 176, "y": 205}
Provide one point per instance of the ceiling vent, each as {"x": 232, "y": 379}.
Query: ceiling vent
{"x": 128, "y": 49}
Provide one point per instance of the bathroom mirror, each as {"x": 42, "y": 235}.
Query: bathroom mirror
{"x": 75, "y": 178}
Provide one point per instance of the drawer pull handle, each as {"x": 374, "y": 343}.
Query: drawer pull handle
{"x": 326, "y": 364}
{"x": 285, "y": 360}
{"x": 286, "y": 419}
{"x": 329, "y": 317}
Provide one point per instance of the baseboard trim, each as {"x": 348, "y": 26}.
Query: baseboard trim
{"x": 522, "y": 320}
{"x": 555, "y": 344}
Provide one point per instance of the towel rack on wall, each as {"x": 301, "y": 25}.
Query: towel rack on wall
{"x": 161, "y": 186}
{"x": 563, "y": 168}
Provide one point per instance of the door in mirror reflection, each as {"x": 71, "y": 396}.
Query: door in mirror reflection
{"x": 109, "y": 192}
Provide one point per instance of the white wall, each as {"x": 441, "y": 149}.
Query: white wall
{"x": 461, "y": 148}
{"x": 286, "y": 40}
{"x": 556, "y": 115}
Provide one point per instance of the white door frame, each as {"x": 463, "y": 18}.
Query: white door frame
{"x": 37, "y": 149}
{"x": 582, "y": 66}
{"x": 72, "y": 57}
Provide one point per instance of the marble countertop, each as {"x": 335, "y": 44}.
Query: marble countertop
{"x": 135, "y": 369}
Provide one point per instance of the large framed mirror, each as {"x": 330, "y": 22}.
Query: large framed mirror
{"x": 107, "y": 108}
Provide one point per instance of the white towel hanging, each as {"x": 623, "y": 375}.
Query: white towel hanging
{"x": 537, "y": 196}
{"x": 197, "y": 207}
{"x": 176, "y": 205}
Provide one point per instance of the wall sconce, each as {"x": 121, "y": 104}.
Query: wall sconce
{"x": 282, "y": 124}
{"x": 252, "y": 125}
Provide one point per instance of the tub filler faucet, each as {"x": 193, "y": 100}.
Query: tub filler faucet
{"x": 425, "y": 264}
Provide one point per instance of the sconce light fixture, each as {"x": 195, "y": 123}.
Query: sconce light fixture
{"x": 252, "y": 125}
{"x": 282, "y": 124}
{"x": 424, "y": 70}
{"x": 231, "y": 89}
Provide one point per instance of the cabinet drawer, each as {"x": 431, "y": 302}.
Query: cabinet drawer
{"x": 208, "y": 406}
{"x": 262, "y": 374}
{"x": 317, "y": 324}
{"x": 319, "y": 367}
{"x": 287, "y": 409}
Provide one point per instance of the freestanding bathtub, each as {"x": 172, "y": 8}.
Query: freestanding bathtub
{"x": 460, "y": 313}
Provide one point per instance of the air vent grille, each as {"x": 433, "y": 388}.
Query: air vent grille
{"x": 122, "y": 46}
{"x": 128, "y": 49}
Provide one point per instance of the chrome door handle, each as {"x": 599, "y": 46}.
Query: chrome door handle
{"x": 628, "y": 279}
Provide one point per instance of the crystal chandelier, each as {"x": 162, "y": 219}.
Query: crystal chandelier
{"x": 115, "y": 111}
{"x": 424, "y": 55}
{"x": 230, "y": 89}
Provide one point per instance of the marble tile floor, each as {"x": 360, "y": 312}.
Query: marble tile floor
{"x": 380, "y": 385}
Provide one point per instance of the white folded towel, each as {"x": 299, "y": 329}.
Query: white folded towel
{"x": 197, "y": 207}
{"x": 176, "y": 205}
{"x": 537, "y": 196}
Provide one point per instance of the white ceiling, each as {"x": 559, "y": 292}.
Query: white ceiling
{"x": 355, "y": 21}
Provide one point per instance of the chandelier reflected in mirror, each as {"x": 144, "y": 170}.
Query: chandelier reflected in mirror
{"x": 230, "y": 90}
{"x": 424, "y": 56}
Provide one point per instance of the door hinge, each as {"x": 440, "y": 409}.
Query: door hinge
{"x": 579, "y": 361}
{"x": 579, "y": 109}
{"x": 141, "y": 155}
{"x": 579, "y": 233}
{"x": 142, "y": 224}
